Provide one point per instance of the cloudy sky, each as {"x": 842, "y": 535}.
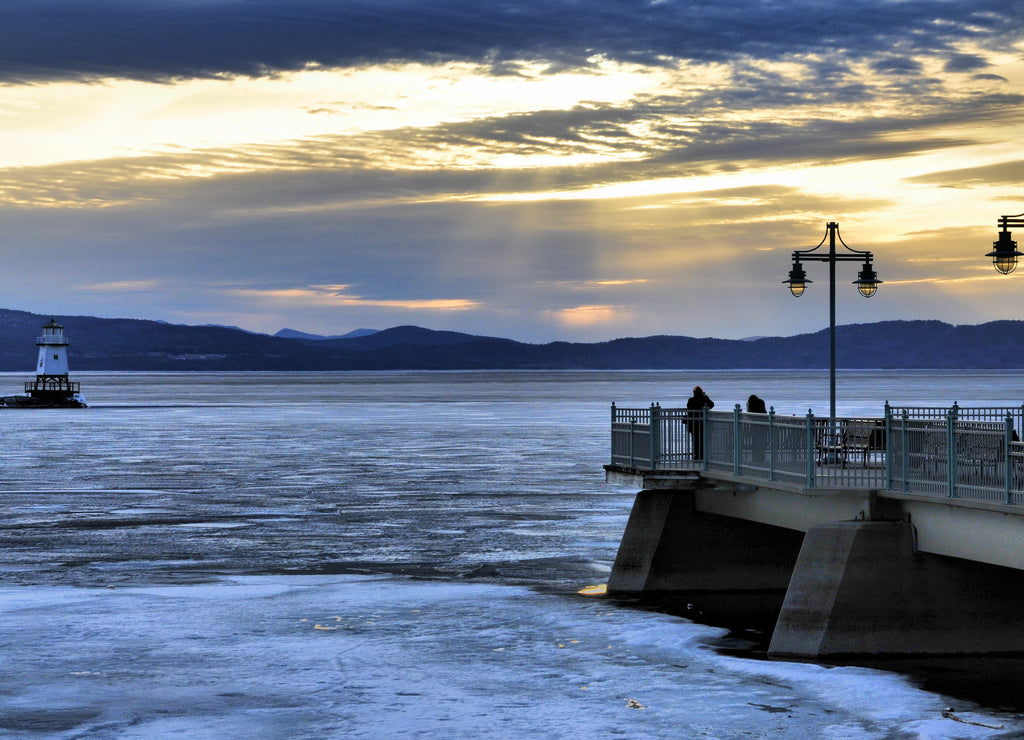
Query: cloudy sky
{"x": 533, "y": 169}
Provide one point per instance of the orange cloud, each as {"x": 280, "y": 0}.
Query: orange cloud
{"x": 335, "y": 295}
{"x": 588, "y": 315}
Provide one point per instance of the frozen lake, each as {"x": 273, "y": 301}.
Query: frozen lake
{"x": 389, "y": 555}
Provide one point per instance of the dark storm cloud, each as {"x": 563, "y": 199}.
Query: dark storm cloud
{"x": 163, "y": 39}
{"x": 965, "y": 63}
{"x": 896, "y": 65}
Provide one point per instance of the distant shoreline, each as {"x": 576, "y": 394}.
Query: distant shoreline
{"x": 111, "y": 345}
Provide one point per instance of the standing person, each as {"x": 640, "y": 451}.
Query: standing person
{"x": 755, "y": 437}
{"x": 697, "y": 403}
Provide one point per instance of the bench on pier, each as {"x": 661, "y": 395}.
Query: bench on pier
{"x": 854, "y": 438}
{"x": 980, "y": 450}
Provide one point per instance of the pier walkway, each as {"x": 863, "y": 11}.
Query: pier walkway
{"x": 891, "y": 534}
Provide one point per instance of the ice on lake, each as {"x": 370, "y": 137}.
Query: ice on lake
{"x": 379, "y": 657}
{"x": 384, "y": 555}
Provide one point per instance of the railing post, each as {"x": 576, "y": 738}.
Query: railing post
{"x": 1007, "y": 446}
{"x": 905, "y": 437}
{"x": 951, "y": 448}
{"x": 613, "y": 434}
{"x": 632, "y": 436}
{"x": 705, "y": 441}
{"x": 655, "y": 435}
{"x": 771, "y": 443}
{"x": 810, "y": 449}
{"x": 888, "y": 446}
{"x": 737, "y": 449}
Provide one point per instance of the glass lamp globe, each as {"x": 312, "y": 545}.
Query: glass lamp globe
{"x": 867, "y": 281}
{"x": 1004, "y": 253}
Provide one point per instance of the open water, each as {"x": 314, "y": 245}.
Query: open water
{"x": 380, "y": 555}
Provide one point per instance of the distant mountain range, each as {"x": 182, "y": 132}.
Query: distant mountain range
{"x": 295, "y": 334}
{"x": 134, "y": 344}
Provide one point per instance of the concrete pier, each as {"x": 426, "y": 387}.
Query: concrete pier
{"x": 855, "y": 586}
{"x": 671, "y": 546}
{"x": 862, "y": 588}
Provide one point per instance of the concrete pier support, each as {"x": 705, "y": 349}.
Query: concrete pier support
{"x": 669, "y": 546}
{"x": 860, "y": 588}
{"x": 852, "y": 588}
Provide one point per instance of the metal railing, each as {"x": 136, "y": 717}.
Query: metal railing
{"x": 804, "y": 450}
{"x": 656, "y": 439}
{"x": 970, "y": 453}
{"x": 961, "y": 453}
{"x": 55, "y": 383}
{"x": 631, "y": 438}
{"x": 956, "y": 412}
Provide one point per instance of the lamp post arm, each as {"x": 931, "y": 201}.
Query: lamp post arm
{"x": 1007, "y": 222}
{"x": 839, "y": 257}
{"x": 831, "y": 234}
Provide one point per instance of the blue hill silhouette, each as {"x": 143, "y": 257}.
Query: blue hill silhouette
{"x": 135, "y": 344}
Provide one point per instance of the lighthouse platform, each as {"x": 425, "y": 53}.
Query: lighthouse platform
{"x": 47, "y": 396}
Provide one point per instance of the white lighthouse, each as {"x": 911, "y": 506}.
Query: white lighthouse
{"x": 51, "y": 386}
{"x": 53, "y": 355}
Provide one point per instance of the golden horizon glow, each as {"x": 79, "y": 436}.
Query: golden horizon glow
{"x": 615, "y": 283}
{"x": 589, "y": 315}
{"x": 319, "y": 295}
{"x": 122, "y": 286}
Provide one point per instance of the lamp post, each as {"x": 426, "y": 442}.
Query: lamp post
{"x": 867, "y": 283}
{"x": 1004, "y": 252}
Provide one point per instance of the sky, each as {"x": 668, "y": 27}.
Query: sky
{"x": 533, "y": 169}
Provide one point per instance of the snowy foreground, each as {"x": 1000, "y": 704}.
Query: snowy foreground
{"x": 379, "y": 657}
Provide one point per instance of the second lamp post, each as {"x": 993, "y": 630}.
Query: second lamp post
{"x": 867, "y": 283}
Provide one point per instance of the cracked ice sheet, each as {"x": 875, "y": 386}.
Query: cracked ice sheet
{"x": 327, "y": 656}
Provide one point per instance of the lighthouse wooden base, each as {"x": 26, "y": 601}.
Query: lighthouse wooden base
{"x": 73, "y": 401}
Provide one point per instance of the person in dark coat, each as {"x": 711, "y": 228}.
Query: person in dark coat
{"x": 697, "y": 403}
{"x": 755, "y": 437}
